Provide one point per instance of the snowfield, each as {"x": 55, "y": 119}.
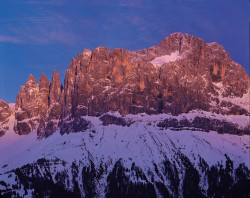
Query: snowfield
{"x": 142, "y": 144}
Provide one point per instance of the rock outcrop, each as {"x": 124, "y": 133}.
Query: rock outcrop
{"x": 204, "y": 124}
{"x": 43, "y": 100}
{"x": 5, "y": 113}
{"x": 49, "y": 122}
{"x": 55, "y": 88}
{"x": 37, "y": 101}
{"x": 27, "y": 107}
{"x": 110, "y": 119}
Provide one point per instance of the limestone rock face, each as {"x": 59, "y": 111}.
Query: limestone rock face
{"x": 5, "y": 113}
{"x": 130, "y": 82}
{"x": 55, "y": 88}
{"x": 43, "y": 100}
{"x": 49, "y": 121}
{"x": 33, "y": 103}
{"x": 180, "y": 74}
{"x": 27, "y": 107}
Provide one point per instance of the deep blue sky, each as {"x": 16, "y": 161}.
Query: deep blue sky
{"x": 41, "y": 36}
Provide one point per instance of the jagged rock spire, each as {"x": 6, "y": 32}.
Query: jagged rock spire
{"x": 32, "y": 103}
{"x": 55, "y": 88}
{"x": 43, "y": 99}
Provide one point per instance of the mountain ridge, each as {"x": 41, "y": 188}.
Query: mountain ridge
{"x": 168, "y": 121}
{"x": 192, "y": 75}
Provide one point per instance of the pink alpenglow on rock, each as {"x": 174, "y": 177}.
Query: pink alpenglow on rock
{"x": 180, "y": 74}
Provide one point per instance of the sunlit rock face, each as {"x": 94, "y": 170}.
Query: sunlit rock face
{"x": 43, "y": 101}
{"x": 5, "y": 113}
{"x": 35, "y": 101}
{"x": 27, "y": 106}
{"x": 49, "y": 122}
{"x": 180, "y": 74}
{"x": 55, "y": 88}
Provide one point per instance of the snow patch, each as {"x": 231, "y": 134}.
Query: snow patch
{"x": 159, "y": 61}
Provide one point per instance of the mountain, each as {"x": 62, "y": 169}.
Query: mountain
{"x": 168, "y": 121}
{"x": 182, "y": 73}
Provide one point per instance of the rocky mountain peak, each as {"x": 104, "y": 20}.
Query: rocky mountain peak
{"x": 34, "y": 100}
{"x": 43, "y": 100}
{"x": 100, "y": 54}
{"x": 180, "y": 74}
{"x": 31, "y": 79}
{"x": 43, "y": 82}
{"x": 86, "y": 52}
{"x": 187, "y": 44}
{"x": 177, "y": 42}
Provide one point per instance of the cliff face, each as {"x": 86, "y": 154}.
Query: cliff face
{"x": 5, "y": 113}
{"x": 180, "y": 74}
{"x": 27, "y": 112}
{"x": 49, "y": 122}
{"x": 33, "y": 102}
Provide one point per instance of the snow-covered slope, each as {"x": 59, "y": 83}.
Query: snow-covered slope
{"x": 140, "y": 148}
